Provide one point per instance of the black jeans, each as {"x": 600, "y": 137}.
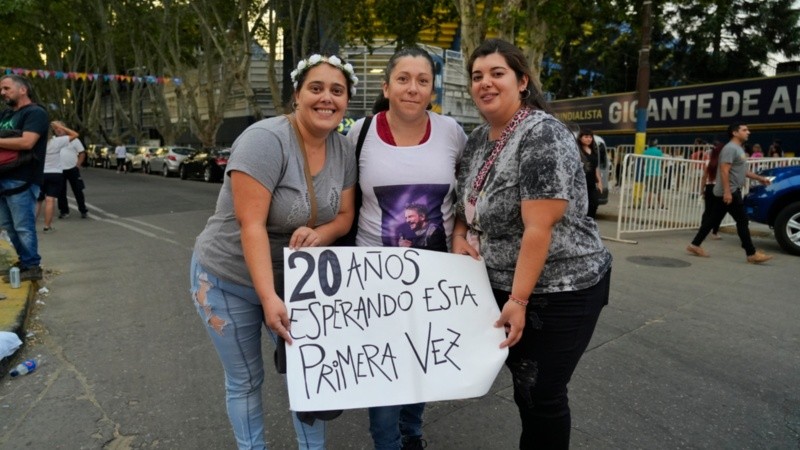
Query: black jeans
{"x": 593, "y": 195}
{"x": 73, "y": 176}
{"x": 557, "y": 331}
{"x": 718, "y": 211}
{"x": 708, "y": 202}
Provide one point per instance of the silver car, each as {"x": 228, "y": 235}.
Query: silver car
{"x": 167, "y": 160}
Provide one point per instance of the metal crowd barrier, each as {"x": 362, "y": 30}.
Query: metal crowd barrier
{"x": 673, "y": 199}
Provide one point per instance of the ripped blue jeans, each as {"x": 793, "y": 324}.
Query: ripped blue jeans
{"x": 234, "y": 319}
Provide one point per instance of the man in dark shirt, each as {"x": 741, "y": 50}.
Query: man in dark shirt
{"x": 19, "y": 187}
{"x": 421, "y": 233}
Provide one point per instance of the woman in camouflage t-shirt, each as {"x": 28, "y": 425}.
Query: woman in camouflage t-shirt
{"x": 522, "y": 207}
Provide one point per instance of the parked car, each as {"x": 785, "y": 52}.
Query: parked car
{"x": 207, "y": 164}
{"x": 132, "y": 159}
{"x": 97, "y": 155}
{"x": 147, "y": 153}
{"x": 167, "y": 160}
{"x": 778, "y": 205}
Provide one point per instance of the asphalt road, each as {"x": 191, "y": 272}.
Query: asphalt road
{"x": 691, "y": 353}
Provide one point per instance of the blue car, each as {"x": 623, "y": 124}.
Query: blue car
{"x": 778, "y": 205}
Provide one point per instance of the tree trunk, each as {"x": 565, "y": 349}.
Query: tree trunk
{"x": 536, "y": 33}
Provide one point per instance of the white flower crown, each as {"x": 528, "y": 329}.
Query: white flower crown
{"x": 334, "y": 60}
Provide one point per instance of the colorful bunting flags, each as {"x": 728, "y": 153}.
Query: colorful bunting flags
{"x": 46, "y": 74}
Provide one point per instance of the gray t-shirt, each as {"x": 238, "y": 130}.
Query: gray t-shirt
{"x": 540, "y": 161}
{"x": 734, "y": 155}
{"x": 268, "y": 151}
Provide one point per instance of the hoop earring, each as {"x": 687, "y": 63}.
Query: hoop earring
{"x": 524, "y": 94}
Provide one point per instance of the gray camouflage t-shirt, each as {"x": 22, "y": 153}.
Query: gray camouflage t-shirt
{"x": 540, "y": 161}
{"x": 268, "y": 151}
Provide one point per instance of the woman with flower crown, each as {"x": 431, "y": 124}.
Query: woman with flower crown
{"x": 289, "y": 183}
{"x": 522, "y": 207}
{"x": 407, "y": 169}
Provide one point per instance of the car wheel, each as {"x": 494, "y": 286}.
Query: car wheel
{"x": 182, "y": 172}
{"x": 787, "y": 228}
{"x": 128, "y": 167}
{"x": 165, "y": 171}
{"x": 207, "y": 176}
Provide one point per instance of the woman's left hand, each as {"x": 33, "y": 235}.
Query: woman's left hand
{"x": 513, "y": 319}
{"x": 304, "y": 237}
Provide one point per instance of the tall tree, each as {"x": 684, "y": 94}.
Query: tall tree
{"x": 727, "y": 39}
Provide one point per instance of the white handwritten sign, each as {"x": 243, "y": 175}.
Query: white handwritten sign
{"x": 377, "y": 326}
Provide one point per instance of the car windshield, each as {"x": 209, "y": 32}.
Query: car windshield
{"x": 183, "y": 150}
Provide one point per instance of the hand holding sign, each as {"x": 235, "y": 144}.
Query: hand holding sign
{"x": 382, "y": 326}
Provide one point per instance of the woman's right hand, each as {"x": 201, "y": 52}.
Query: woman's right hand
{"x": 277, "y": 318}
{"x": 461, "y": 246}
{"x": 512, "y": 318}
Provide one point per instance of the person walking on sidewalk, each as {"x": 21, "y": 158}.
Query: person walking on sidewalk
{"x": 731, "y": 174}
{"x": 119, "y": 153}
{"x": 72, "y": 157}
{"x": 19, "y": 187}
{"x": 708, "y": 181}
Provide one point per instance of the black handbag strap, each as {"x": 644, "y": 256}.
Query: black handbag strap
{"x": 349, "y": 239}
{"x": 16, "y": 190}
{"x": 361, "y": 136}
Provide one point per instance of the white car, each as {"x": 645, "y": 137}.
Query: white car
{"x": 167, "y": 160}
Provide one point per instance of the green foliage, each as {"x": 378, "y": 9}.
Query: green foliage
{"x": 692, "y": 42}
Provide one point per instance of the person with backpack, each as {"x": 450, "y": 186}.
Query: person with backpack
{"x": 21, "y": 173}
{"x": 407, "y": 162}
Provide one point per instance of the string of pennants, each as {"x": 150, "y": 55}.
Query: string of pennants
{"x": 47, "y": 74}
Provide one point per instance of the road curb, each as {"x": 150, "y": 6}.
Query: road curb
{"x": 15, "y": 308}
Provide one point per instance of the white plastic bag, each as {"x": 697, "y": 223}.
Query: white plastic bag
{"x": 9, "y": 343}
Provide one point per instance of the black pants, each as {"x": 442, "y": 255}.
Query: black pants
{"x": 718, "y": 211}
{"x": 593, "y": 195}
{"x": 73, "y": 176}
{"x": 708, "y": 202}
{"x": 557, "y": 331}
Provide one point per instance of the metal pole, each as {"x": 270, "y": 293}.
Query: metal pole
{"x": 643, "y": 79}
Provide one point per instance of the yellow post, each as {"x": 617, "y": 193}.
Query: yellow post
{"x": 638, "y": 175}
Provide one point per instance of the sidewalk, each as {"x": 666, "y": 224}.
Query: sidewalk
{"x": 14, "y": 307}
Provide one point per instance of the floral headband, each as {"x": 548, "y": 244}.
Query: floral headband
{"x": 316, "y": 59}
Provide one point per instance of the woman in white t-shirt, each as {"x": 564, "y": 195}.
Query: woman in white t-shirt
{"x": 407, "y": 178}
{"x": 51, "y": 188}
{"x": 119, "y": 153}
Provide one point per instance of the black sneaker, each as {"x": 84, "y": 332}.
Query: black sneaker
{"x": 28, "y": 274}
{"x": 84, "y": 215}
{"x": 414, "y": 443}
{"x": 63, "y": 216}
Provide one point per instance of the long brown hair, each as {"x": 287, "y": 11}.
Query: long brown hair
{"x": 713, "y": 161}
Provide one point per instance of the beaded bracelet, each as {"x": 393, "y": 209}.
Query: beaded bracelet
{"x": 518, "y": 300}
